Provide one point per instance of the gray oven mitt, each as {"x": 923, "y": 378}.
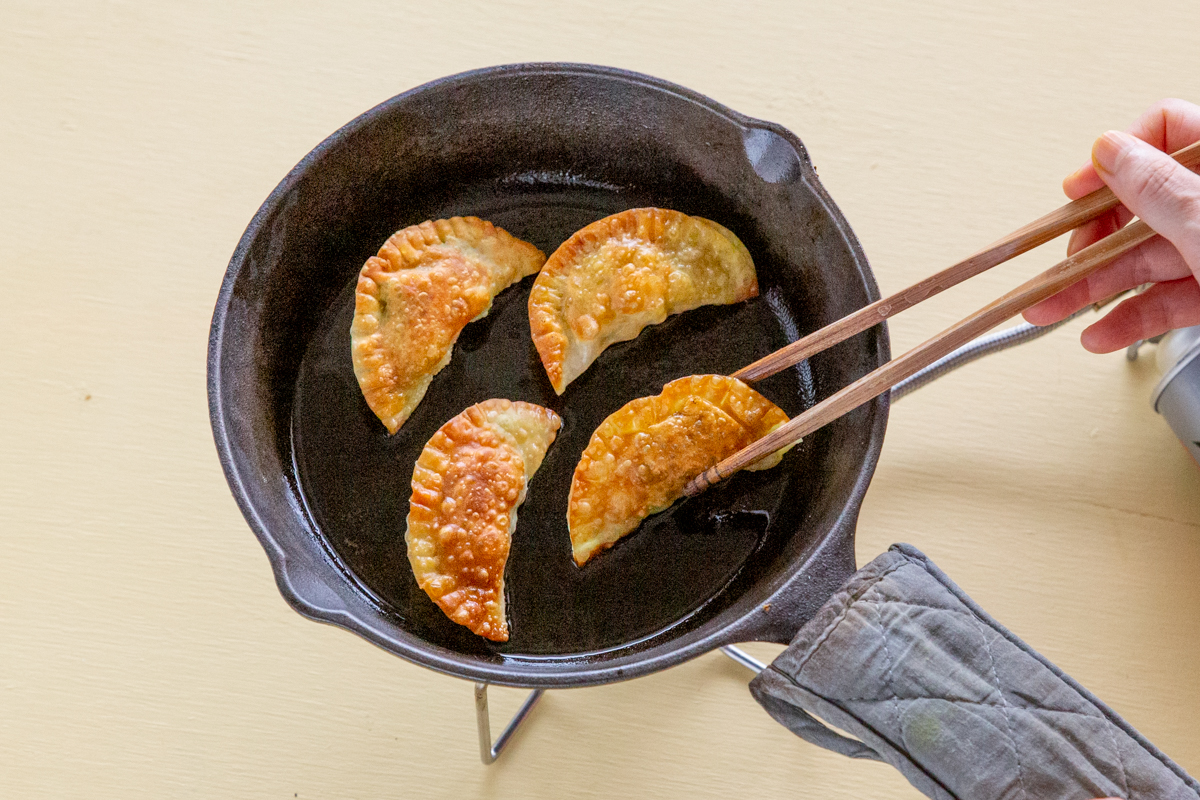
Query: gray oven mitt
{"x": 903, "y": 660}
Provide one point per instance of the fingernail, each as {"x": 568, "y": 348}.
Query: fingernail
{"x": 1109, "y": 149}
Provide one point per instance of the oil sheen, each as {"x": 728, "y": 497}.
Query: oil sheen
{"x": 678, "y": 569}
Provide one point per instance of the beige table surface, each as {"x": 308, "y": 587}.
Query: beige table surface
{"x": 144, "y": 649}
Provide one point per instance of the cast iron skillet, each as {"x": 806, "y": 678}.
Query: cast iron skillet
{"x": 542, "y": 150}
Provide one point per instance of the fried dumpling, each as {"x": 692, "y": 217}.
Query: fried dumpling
{"x": 466, "y": 487}
{"x": 641, "y": 457}
{"x": 414, "y": 298}
{"x": 624, "y": 272}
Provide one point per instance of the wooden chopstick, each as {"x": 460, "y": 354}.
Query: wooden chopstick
{"x": 1036, "y": 233}
{"x": 880, "y": 380}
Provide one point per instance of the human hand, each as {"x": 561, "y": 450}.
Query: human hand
{"x": 1166, "y": 196}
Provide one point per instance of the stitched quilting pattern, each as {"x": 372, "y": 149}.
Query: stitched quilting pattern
{"x": 904, "y": 663}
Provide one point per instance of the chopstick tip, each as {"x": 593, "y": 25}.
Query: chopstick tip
{"x": 701, "y": 482}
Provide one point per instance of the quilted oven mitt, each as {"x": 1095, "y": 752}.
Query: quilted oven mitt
{"x": 903, "y": 660}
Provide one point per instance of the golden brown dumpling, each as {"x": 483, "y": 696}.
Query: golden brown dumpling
{"x": 619, "y": 274}
{"x": 642, "y": 456}
{"x": 466, "y": 487}
{"x": 414, "y": 298}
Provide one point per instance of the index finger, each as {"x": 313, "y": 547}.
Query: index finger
{"x": 1168, "y": 125}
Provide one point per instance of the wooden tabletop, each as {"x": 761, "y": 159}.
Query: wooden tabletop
{"x": 144, "y": 649}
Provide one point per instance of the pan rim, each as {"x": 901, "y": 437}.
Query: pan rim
{"x": 535, "y": 672}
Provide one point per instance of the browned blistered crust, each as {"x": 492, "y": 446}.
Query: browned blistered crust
{"x": 466, "y": 486}
{"x": 626, "y": 271}
{"x": 641, "y": 457}
{"x": 414, "y": 298}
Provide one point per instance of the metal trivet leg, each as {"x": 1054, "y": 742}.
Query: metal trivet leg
{"x": 489, "y": 752}
{"x": 742, "y": 657}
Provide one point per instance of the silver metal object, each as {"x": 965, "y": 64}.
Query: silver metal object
{"x": 489, "y": 751}
{"x": 1177, "y": 395}
{"x": 984, "y": 345}
{"x": 1131, "y": 352}
{"x": 742, "y": 657}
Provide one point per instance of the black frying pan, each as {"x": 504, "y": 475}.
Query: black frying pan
{"x": 541, "y": 150}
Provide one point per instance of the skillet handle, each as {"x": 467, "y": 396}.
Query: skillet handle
{"x": 903, "y": 660}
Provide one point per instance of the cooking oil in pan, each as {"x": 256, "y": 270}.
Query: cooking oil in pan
{"x": 674, "y": 571}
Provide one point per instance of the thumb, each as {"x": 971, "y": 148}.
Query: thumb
{"x": 1151, "y": 184}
